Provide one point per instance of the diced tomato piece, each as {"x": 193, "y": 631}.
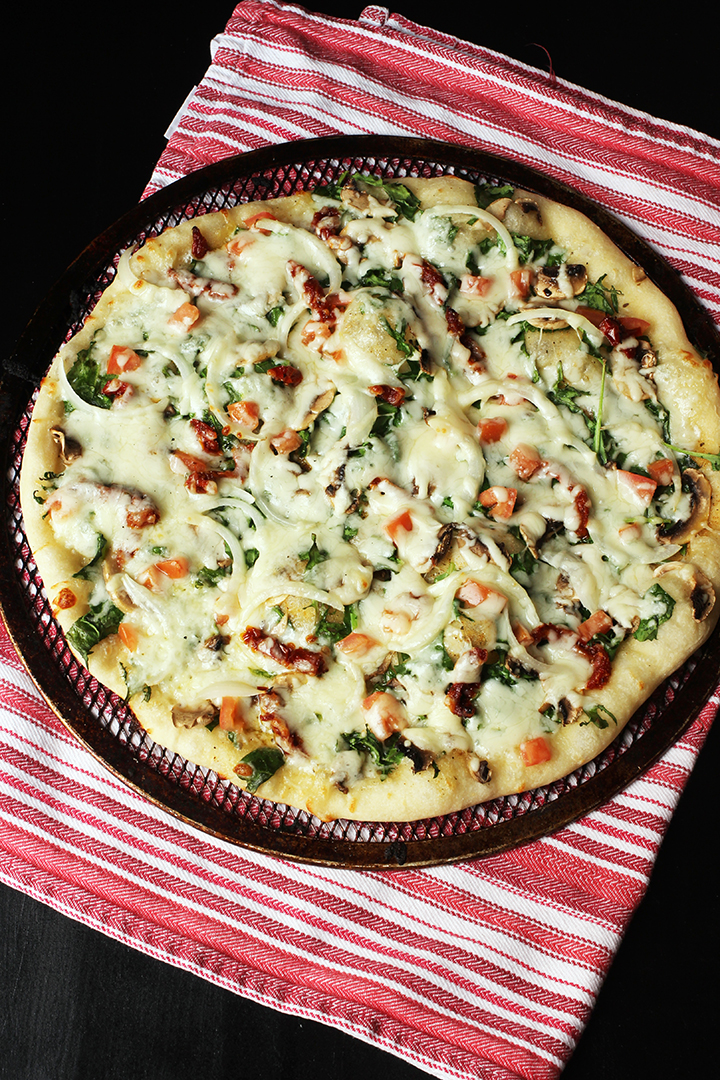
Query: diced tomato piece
{"x": 246, "y": 414}
{"x": 598, "y": 623}
{"x": 593, "y": 315}
{"x": 150, "y": 578}
{"x": 402, "y": 523}
{"x": 522, "y": 634}
{"x": 635, "y": 326}
{"x": 520, "y": 281}
{"x": 491, "y": 429}
{"x": 356, "y": 645}
{"x": 239, "y": 243}
{"x": 231, "y": 717}
{"x": 499, "y": 501}
{"x": 474, "y": 594}
{"x": 524, "y": 460}
{"x": 640, "y": 488}
{"x": 185, "y": 317}
{"x": 394, "y": 395}
{"x": 612, "y": 330}
{"x": 122, "y": 359}
{"x": 473, "y": 285}
{"x": 206, "y": 435}
{"x": 662, "y": 471}
{"x": 182, "y": 462}
{"x": 286, "y": 441}
{"x": 286, "y": 374}
{"x": 128, "y": 636}
{"x": 535, "y": 751}
{"x": 601, "y": 663}
{"x": 264, "y": 215}
{"x": 173, "y": 568}
{"x": 117, "y": 389}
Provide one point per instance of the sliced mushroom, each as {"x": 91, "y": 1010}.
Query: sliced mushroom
{"x": 561, "y": 282}
{"x": 498, "y": 208}
{"x": 702, "y": 597}
{"x": 565, "y": 711}
{"x": 445, "y": 540}
{"x": 701, "y": 590}
{"x": 216, "y": 642}
{"x": 700, "y": 496}
{"x": 483, "y": 772}
{"x": 115, "y": 586}
{"x": 184, "y": 716}
{"x": 318, "y": 405}
{"x": 524, "y": 217}
{"x": 70, "y": 449}
{"x": 545, "y": 323}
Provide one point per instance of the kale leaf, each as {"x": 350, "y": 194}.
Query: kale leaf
{"x": 647, "y": 629}
{"x": 387, "y": 755}
{"x": 87, "y": 380}
{"x": 101, "y": 621}
{"x": 264, "y": 762}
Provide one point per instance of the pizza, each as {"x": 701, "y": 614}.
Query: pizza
{"x": 380, "y": 500}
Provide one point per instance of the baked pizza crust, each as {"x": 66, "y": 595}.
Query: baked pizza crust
{"x": 688, "y": 388}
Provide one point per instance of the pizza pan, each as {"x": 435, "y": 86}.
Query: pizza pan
{"x": 102, "y": 721}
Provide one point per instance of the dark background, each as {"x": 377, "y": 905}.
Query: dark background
{"x": 89, "y": 90}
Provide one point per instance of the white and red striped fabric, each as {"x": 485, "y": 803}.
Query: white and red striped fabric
{"x": 488, "y": 967}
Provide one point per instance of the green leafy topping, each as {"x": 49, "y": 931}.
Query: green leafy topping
{"x": 264, "y": 366}
{"x": 531, "y": 250}
{"x": 714, "y": 459}
{"x": 88, "y": 381}
{"x": 413, "y": 371}
{"x": 443, "y": 657}
{"x": 89, "y": 570}
{"x": 488, "y": 193}
{"x": 313, "y": 556}
{"x": 647, "y": 629}
{"x": 405, "y": 202}
{"x": 101, "y": 621}
{"x": 232, "y": 392}
{"x": 595, "y": 716}
{"x": 564, "y": 394}
{"x": 387, "y": 755}
{"x": 662, "y": 416}
{"x": 332, "y": 627}
{"x": 394, "y": 671}
{"x": 523, "y": 562}
{"x": 599, "y": 446}
{"x": 209, "y": 576}
{"x": 333, "y": 189}
{"x": 264, "y": 762}
{"x": 274, "y": 315}
{"x": 407, "y": 348}
{"x": 388, "y": 416}
{"x": 600, "y": 296}
{"x": 381, "y": 278}
{"x": 225, "y": 442}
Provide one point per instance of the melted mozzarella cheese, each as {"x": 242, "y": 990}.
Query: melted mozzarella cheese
{"x": 314, "y": 447}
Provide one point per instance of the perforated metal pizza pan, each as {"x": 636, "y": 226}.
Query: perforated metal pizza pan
{"x": 102, "y": 722}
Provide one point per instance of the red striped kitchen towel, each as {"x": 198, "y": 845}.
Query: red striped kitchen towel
{"x": 488, "y": 967}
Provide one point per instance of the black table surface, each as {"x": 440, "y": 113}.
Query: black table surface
{"x": 89, "y": 91}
